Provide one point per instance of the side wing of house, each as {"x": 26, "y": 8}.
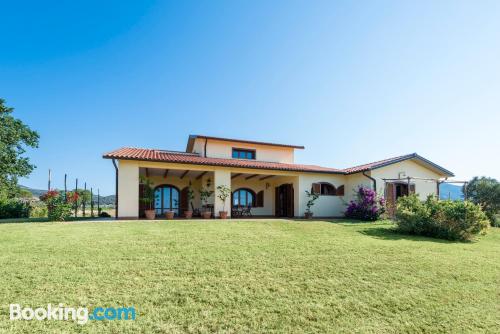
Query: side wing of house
{"x": 423, "y": 180}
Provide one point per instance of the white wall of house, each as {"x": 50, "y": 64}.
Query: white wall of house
{"x": 354, "y": 181}
{"x": 224, "y": 149}
{"x": 128, "y": 189}
{"x": 256, "y": 186}
{"x": 408, "y": 168}
{"x": 325, "y": 205}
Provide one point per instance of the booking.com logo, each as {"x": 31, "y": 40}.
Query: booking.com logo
{"x": 80, "y": 314}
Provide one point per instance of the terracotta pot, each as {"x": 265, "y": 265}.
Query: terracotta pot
{"x": 308, "y": 215}
{"x": 223, "y": 214}
{"x": 206, "y": 214}
{"x": 188, "y": 214}
{"x": 150, "y": 214}
{"x": 169, "y": 214}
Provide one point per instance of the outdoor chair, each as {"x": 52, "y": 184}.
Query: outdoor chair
{"x": 246, "y": 211}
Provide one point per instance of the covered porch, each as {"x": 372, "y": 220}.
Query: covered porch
{"x": 254, "y": 193}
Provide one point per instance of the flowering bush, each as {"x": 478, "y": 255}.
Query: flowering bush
{"x": 367, "y": 206}
{"x": 57, "y": 207}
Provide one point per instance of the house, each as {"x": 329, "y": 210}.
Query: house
{"x": 261, "y": 175}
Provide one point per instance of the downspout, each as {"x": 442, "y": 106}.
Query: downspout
{"x": 116, "y": 189}
{"x": 374, "y": 181}
{"x": 205, "y": 149}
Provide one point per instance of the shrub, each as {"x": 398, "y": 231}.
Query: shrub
{"x": 367, "y": 206}
{"x": 485, "y": 191}
{"x": 58, "y": 208}
{"x": 39, "y": 211}
{"x": 451, "y": 220}
{"x": 14, "y": 208}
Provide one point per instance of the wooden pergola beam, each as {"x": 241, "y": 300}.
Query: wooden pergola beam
{"x": 235, "y": 176}
{"x": 201, "y": 175}
{"x": 165, "y": 174}
{"x": 184, "y": 174}
{"x": 251, "y": 176}
{"x": 266, "y": 177}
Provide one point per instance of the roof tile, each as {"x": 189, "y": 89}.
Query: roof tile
{"x": 129, "y": 153}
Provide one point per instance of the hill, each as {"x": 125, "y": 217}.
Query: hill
{"x": 450, "y": 191}
{"x": 104, "y": 200}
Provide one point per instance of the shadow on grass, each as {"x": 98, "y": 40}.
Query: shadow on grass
{"x": 393, "y": 234}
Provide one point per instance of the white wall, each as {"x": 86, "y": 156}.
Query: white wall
{"x": 256, "y": 185}
{"x": 128, "y": 189}
{"x": 354, "y": 181}
{"x": 325, "y": 206}
{"x": 412, "y": 169}
{"x": 224, "y": 149}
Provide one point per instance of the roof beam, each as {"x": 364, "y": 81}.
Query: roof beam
{"x": 184, "y": 174}
{"x": 165, "y": 174}
{"x": 251, "y": 176}
{"x": 266, "y": 177}
{"x": 235, "y": 176}
{"x": 201, "y": 175}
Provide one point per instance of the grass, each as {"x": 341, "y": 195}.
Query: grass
{"x": 250, "y": 276}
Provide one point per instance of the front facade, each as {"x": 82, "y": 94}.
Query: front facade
{"x": 262, "y": 177}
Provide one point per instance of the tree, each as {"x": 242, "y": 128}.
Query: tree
{"x": 485, "y": 191}
{"x": 15, "y": 137}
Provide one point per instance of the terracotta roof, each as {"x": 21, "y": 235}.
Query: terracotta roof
{"x": 129, "y": 153}
{"x": 390, "y": 161}
{"x": 371, "y": 165}
{"x": 193, "y": 137}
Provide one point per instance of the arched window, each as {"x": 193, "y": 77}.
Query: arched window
{"x": 243, "y": 197}
{"x": 166, "y": 199}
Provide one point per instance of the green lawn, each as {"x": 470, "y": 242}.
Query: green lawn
{"x": 250, "y": 276}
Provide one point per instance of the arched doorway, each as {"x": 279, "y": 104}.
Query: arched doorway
{"x": 166, "y": 199}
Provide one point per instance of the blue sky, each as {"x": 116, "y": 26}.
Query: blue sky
{"x": 352, "y": 81}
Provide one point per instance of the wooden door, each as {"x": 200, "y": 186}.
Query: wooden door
{"x": 184, "y": 201}
{"x": 284, "y": 206}
{"x": 289, "y": 200}
{"x": 390, "y": 197}
{"x": 277, "y": 202}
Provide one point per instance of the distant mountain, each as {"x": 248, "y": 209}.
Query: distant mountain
{"x": 105, "y": 200}
{"x": 450, "y": 191}
{"x": 34, "y": 192}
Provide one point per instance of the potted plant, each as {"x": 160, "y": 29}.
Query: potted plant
{"x": 190, "y": 196}
{"x": 223, "y": 192}
{"x": 170, "y": 213}
{"x": 205, "y": 195}
{"x": 147, "y": 198}
{"x": 312, "y": 197}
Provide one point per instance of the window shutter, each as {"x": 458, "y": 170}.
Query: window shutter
{"x": 316, "y": 188}
{"x": 260, "y": 199}
{"x": 340, "y": 191}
